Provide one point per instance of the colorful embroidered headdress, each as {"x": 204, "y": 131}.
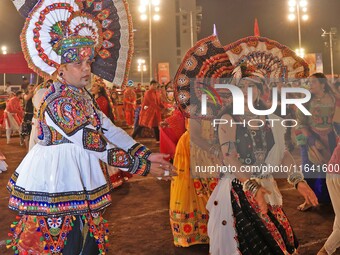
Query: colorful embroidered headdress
{"x": 208, "y": 63}
{"x": 265, "y": 59}
{"x": 64, "y": 31}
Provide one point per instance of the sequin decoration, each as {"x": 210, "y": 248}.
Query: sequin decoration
{"x": 119, "y": 158}
{"x": 104, "y": 54}
{"x": 103, "y": 15}
{"x": 183, "y": 80}
{"x": 107, "y": 44}
{"x": 191, "y": 63}
{"x": 106, "y": 23}
{"x": 98, "y": 6}
{"x": 54, "y": 222}
{"x": 89, "y": 3}
{"x": 54, "y": 232}
{"x": 93, "y": 141}
{"x": 76, "y": 49}
{"x": 108, "y": 34}
{"x": 65, "y": 113}
{"x": 70, "y": 56}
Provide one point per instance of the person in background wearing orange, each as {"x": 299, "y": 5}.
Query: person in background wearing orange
{"x": 171, "y": 129}
{"x": 150, "y": 115}
{"x": 13, "y": 115}
{"x": 129, "y": 103}
{"x": 102, "y": 98}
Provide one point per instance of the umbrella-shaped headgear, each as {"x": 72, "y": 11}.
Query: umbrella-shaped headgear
{"x": 65, "y": 31}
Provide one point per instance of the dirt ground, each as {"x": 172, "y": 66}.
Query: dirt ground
{"x": 139, "y": 221}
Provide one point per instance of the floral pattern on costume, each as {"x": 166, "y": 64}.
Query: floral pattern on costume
{"x": 122, "y": 159}
{"x": 92, "y": 140}
{"x": 67, "y": 115}
{"x": 54, "y": 232}
{"x": 49, "y": 235}
{"x": 189, "y": 228}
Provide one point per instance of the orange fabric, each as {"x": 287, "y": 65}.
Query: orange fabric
{"x": 129, "y": 118}
{"x": 13, "y": 105}
{"x": 129, "y": 105}
{"x": 30, "y": 238}
{"x": 150, "y": 114}
{"x": 2, "y": 123}
{"x": 129, "y": 99}
{"x": 170, "y": 135}
{"x": 103, "y": 104}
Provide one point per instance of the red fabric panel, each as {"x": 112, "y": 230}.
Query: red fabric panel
{"x": 14, "y": 64}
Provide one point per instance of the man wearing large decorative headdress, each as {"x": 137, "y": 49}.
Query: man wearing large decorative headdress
{"x": 59, "y": 187}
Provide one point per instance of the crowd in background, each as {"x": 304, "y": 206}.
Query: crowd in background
{"x": 122, "y": 106}
{"x": 142, "y": 109}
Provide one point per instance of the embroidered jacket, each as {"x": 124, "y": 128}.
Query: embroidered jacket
{"x": 69, "y": 115}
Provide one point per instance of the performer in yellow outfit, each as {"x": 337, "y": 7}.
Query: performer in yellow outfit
{"x": 188, "y": 198}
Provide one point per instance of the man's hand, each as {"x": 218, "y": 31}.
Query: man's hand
{"x": 161, "y": 167}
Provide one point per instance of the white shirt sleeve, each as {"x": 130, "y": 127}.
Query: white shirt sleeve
{"x": 93, "y": 142}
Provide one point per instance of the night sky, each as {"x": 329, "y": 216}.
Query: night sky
{"x": 234, "y": 20}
